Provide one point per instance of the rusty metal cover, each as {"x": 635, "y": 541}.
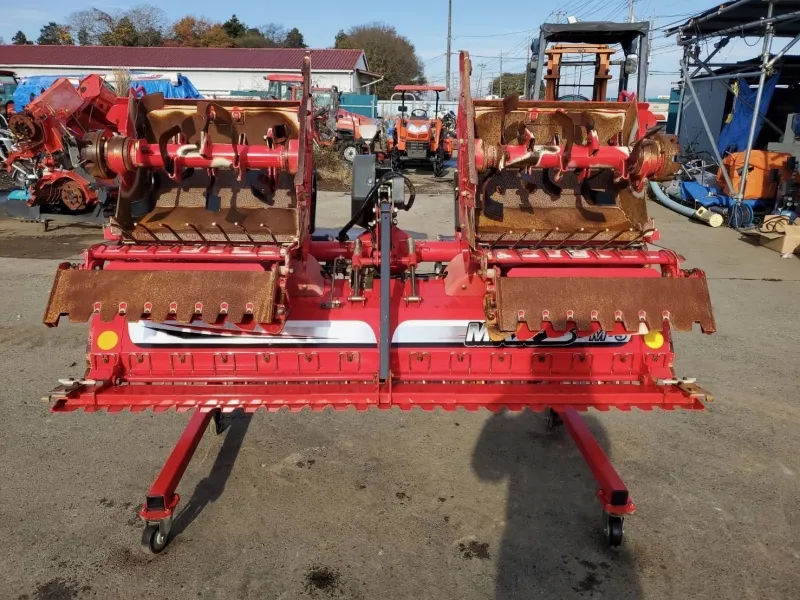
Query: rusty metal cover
{"x": 77, "y": 293}
{"x": 523, "y": 299}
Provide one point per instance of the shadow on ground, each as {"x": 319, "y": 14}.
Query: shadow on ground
{"x": 552, "y": 540}
{"x": 210, "y": 488}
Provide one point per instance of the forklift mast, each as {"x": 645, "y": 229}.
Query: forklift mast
{"x": 582, "y": 39}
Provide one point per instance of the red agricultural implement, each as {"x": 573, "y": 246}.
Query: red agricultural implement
{"x": 49, "y": 134}
{"x": 212, "y": 295}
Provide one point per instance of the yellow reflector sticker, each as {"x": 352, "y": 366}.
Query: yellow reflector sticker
{"x": 108, "y": 339}
{"x": 654, "y": 339}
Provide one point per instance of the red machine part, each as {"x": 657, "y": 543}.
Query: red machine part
{"x": 222, "y": 324}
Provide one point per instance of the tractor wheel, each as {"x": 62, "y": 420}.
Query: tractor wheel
{"x": 349, "y": 151}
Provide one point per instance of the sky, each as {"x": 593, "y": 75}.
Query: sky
{"x": 486, "y": 33}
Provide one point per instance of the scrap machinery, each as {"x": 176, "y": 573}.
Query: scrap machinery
{"x": 212, "y": 293}
{"x": 50, "y": 135}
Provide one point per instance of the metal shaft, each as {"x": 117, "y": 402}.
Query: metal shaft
{"x": 762, "y": 78}
{"x": 447, "y": 60}
{"x": 386, "y": 280}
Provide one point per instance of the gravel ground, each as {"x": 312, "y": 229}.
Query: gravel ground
{"x": 392, "y": 505}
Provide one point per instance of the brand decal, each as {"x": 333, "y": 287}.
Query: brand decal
{"x": 477, "y": 334}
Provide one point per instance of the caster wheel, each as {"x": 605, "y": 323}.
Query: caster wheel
{"x": 219, "y": 424}
{"x": 612, "y": 529}
{"x": 553, "y": 419}
{"x": 153, "y": 540}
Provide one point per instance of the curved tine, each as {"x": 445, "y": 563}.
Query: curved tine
{"x": 222, "y": 231}
{"x": 127, "y": 234}
{"x": 246, "y": 233}
{"x": 197, "y": 231}
{"x": 566, "y": 239}
{"x": 499, "y": 239}
{"x": 591, "y": 237}
{"x": 638, "y": 237}
{"x": 147, "y": 229}
{"x": 172, "y": 231}
{"x": 519, "y": 241}
{"x": 272, "y": 235}
{"x": 544, "y": 237}
{"x": 615, "y": 236}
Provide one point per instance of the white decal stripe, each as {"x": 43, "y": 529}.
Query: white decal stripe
{"x": 312, "y": 333}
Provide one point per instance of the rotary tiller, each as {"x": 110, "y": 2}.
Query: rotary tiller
{"x": 212, "y": 294}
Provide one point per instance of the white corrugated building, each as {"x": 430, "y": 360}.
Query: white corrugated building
{"x": 211, "y": 70}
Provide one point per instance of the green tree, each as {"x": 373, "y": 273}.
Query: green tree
{"x": 388, "y": 53}
{"x": 123, "y": 33}
{"x": 253, "y": 38}
{"x": 54, "y": 34}
{"x": 341, "y": 39}
{"x": 83, "y": 37}
{"x": 294, "y": 39}
{"x": 234, "y": 27}
{"x": 511, "y": 83}
{"x": 20, "y": 39}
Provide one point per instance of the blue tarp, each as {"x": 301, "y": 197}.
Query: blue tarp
{"x": 733, "y": 137}
{"x": 36, "y": 84}
{"x": 184, "y": 89}
{"x": 711, "y": 196}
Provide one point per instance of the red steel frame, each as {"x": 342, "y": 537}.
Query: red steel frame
{"x": 522, "y": 372}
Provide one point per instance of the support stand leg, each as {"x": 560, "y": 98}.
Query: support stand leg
{"x": 612, "y": 492}
{"x": 159, "y": 506}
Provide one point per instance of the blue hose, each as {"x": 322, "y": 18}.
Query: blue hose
{"x": 669, "y": 202}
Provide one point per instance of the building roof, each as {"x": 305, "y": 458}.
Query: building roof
{"x": 163, "y": 57}
{"x": 741, "y": 18}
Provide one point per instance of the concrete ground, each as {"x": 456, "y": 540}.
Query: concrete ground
{"x": 392, "y": 506}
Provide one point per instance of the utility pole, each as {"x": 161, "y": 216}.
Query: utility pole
{"x": 501, "y": 74}
{"x": 630, "y": 11}
{"x": 481, "y": 66}
{"x": 525, "y": 92}
{"x": 447, "y": 67}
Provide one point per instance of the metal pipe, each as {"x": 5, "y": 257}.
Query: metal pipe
{"x": 717, "y": 47}
{"x": 540, "y": 66}
{"x": 792, "y": 16}
{"x": 679, "y": 119}
{"x": 726, "y": 76}
{"x": 694, "y": 22}
{"x": 385, "y": 327}
{"x": 688, "y": 81}
{"x": 756, "y": 114}
{"x": 780, "y": 54}
{"x": 644, "y": 49}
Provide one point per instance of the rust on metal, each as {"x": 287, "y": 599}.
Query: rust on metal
{"x": 684, "y": 300}
{"x": 77, "y": 294}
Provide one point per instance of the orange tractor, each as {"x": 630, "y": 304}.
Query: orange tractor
{"x": 350, "y": 133}
{"x": 419, "y": 137}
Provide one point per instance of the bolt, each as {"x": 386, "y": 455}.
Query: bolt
{"x": 463, "y": 286}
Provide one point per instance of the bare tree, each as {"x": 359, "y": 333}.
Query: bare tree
{"x": 143, "y": 25}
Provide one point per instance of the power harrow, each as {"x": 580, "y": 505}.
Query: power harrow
{"x": 212, "y": 293}
{"x": 50, "y": 137}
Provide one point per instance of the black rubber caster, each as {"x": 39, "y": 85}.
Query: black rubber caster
{"x": 153, "y": 540}
{"x": 553, "y": 419}
{"x": 219, "y": 424}
{"x": 612, "y": 530}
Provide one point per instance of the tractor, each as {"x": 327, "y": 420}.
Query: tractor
{"x": 350, "y": 133}
{"x": 419, "y": 137}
